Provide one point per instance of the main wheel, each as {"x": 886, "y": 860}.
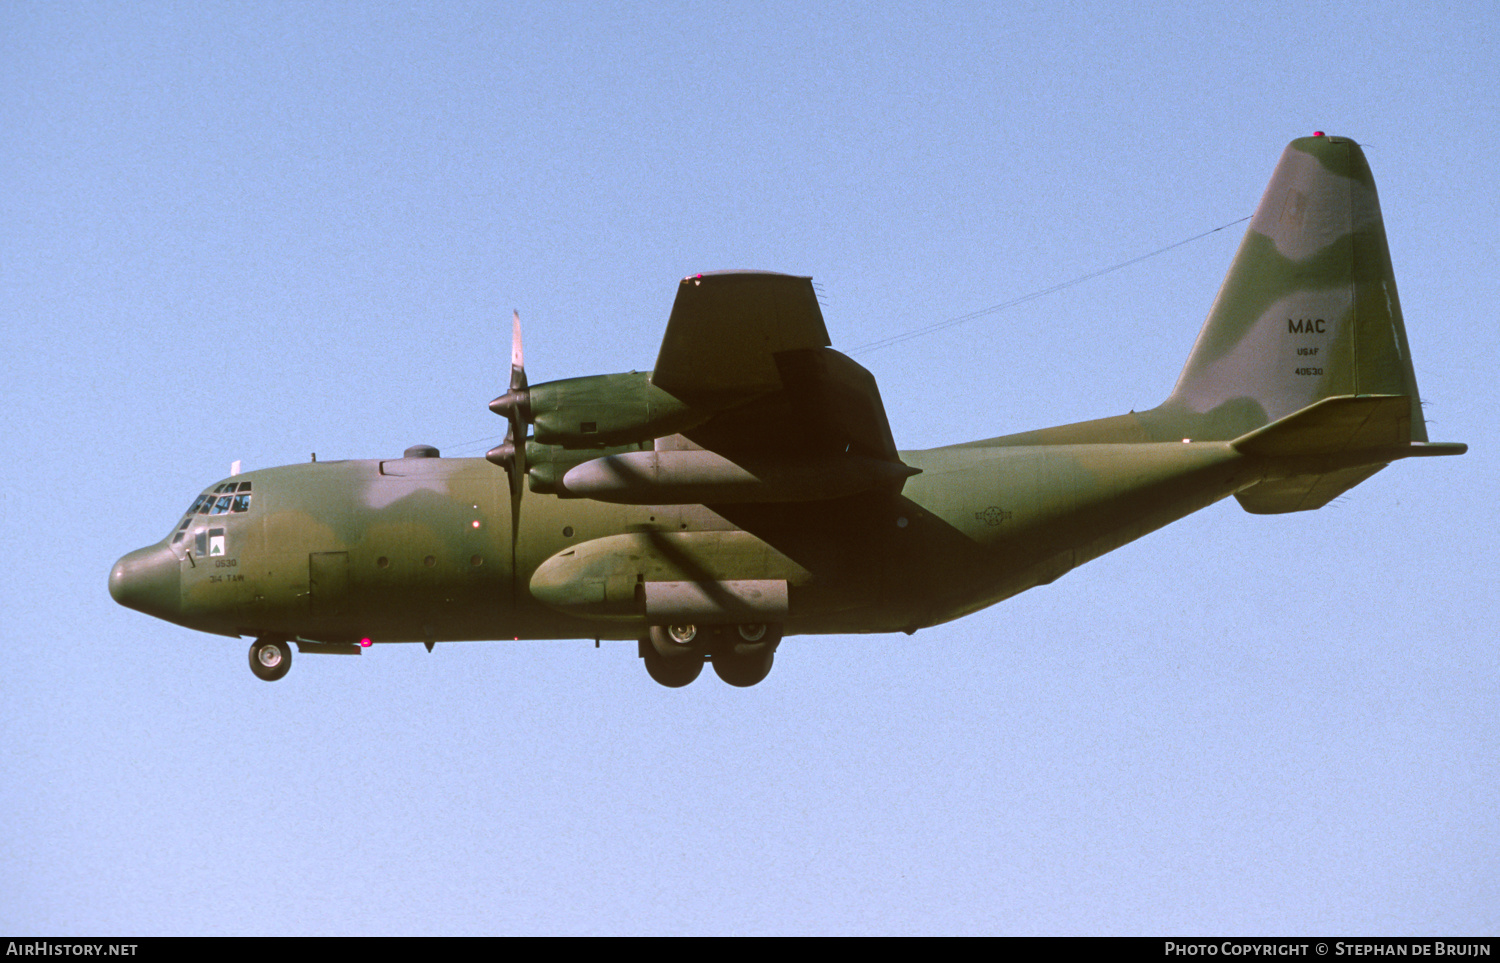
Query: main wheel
{"x": 753, "y": 632}
{"x": 673, "y": 672}
{"x": 752, "y": 640}
{"x": 745, "y": 657}
{"x": 743, "y": 670}
{"x": 270, "y": 659}
{"x": 676, "y": 642}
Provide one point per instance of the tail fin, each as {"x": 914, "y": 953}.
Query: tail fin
{"x": 1308, "y": 310}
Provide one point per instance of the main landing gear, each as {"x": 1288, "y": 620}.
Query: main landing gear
{"x": 270, "y": 659}
{"x": 740, "y": 654}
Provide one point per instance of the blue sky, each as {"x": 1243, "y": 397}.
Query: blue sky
{"x": 247, "y": 231}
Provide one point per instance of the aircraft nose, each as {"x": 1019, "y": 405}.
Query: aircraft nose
{"x": 148, "y": 580}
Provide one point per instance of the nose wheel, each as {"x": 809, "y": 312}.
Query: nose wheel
{"x": 270, "y": 659}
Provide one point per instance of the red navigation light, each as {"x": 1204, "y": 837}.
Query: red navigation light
{"x": 1317, "y": 133}
{"x": 364, "y": 643}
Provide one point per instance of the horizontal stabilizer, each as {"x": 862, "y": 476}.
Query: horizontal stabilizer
{"x": 1337, "y": 424}
{"x": 1316, "y": 454}
{"x": 1302, "y": 493}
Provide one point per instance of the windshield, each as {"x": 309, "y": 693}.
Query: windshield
{"x": 229, "y": 498}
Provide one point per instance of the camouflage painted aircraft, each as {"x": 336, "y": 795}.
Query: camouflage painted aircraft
{"x": 748, "y": 487}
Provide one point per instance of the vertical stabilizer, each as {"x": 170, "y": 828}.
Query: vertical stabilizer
{"x": 1309, "y": 307}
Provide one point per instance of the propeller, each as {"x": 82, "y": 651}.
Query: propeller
{"x": 515, "y": 407}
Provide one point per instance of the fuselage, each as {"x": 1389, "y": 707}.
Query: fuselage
{"x": 420, "y": 548}
{"x": 749, "y": 488}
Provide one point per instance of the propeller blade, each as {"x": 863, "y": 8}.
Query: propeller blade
{"x": 515, "y": 407}
{"x": 519, "y": 412}
{"x": 515, "y": 404}
{"x": 516, "y": 469}
{"x": 517, "y": 359}
{"x": 522, "y": 416}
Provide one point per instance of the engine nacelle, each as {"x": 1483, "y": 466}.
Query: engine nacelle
{"x": 602, "y": 411}
{"x": 547, "y": 464}
{"x": 706, "y": 477}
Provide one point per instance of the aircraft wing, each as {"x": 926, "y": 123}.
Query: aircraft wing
{"x": 785, "y": 417}
{"x": 761, "y": 335}
{"x": 726, "y": 330}
{"x": 825, "y": 405}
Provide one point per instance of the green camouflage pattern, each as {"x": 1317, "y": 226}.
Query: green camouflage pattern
{"x": 1299, "y": 386}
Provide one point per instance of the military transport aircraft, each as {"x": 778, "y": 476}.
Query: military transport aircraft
{"x": 748, "y": 488}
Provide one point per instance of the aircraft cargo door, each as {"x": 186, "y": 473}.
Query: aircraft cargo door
{"x": 328, "y": 583}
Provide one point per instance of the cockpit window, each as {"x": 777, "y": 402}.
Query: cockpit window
{"x": 224, "y": 499}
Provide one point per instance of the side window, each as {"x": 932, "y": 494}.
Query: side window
{"x": 241, "y": 503}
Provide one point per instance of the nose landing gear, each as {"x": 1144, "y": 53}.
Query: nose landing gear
{"x": 270, "y": 659}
